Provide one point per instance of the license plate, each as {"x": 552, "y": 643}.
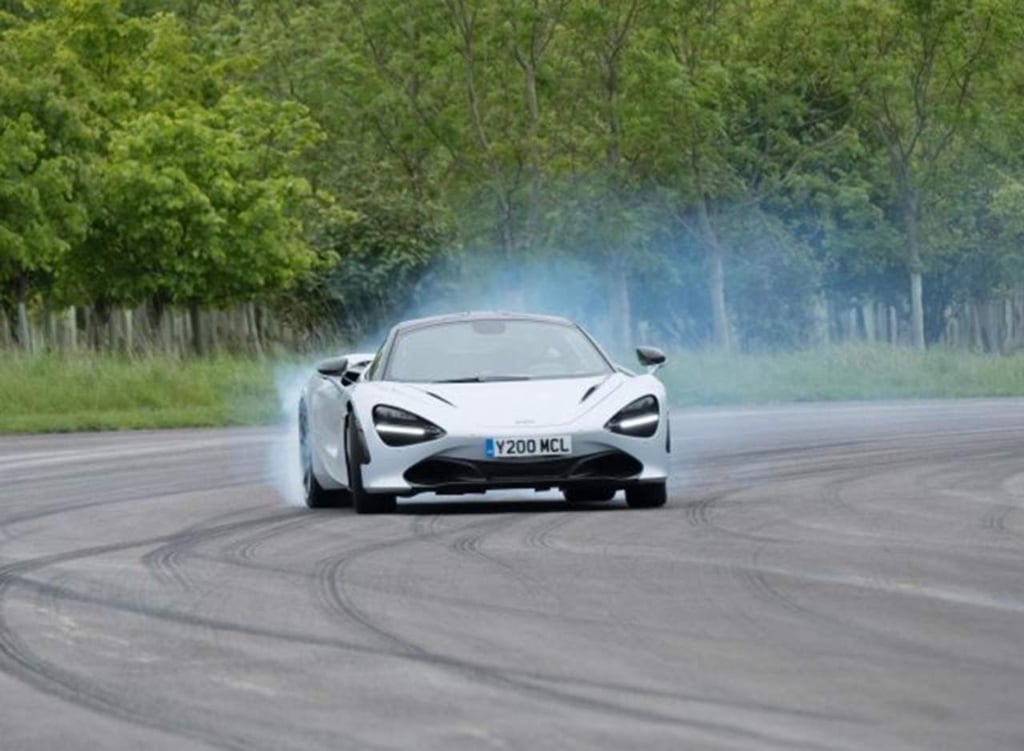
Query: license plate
{"x": 555, "y": 445}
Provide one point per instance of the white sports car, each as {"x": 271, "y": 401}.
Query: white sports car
{"x": 474, "y": 402}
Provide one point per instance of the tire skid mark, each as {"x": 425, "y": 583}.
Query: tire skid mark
{"x": 179, "y": 618}
{"x": 806, "y": 463}
{"x": 760, "y": 582}
{"x": 770, "y": 583}
{"x": 938, "y": 481}
{"x": 539, "y": 537}
{"x": 423, "y": 657}
{"x": 163, "y": 561}
{"x": 470, "y": 545}
{"x": 765, "y": 583}
{"x": 59, "y": 593}
{"x": 755, "y": 576}
{"x": 699, "y": 513}
{"x": 425, "y": 526}
{"x": 336, "y": 600}
{"x": 330, "y": 576}
{"x": 995, "y": 520}
{"x": 128, "y": 494}
{"x": 244, "y": 549}
{"x": 20, "y": 662}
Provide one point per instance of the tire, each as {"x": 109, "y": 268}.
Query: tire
{"x": 364, "y": 502}
{"x": 646, "y": 495}
{"x": 314, "y": 494}
{"x": 588, "y": 493}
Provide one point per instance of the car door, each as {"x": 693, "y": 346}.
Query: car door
{"x": 330, "y": 405}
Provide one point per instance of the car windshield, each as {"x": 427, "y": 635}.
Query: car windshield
{"x": 482, "y": 350}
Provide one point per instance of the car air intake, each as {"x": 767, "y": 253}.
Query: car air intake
{"x": 443, "y": 471}
{"x": 610, "y": 464}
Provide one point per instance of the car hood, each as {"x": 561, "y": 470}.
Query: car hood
{"x": 512, "y": 404}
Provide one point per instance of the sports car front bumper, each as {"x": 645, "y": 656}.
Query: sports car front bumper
{"x": 458, "y": 464}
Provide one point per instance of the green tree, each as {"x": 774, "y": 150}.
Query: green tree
{"x": 197, "y": 208}
{"x": 919, "y": 64}
{"x": 47, "y": 142}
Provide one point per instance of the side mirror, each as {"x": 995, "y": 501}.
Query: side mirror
{"x": 333, "y": 367}
{"x": 650, "y": 357}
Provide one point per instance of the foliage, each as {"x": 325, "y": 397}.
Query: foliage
{"x": 384, "y": 246}
{"x": 192, "y": 212}
{"x": 712, "y": 168}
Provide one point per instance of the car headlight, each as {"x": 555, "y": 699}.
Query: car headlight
{"x": 397, "y": 427}
{"x": 638, "y": 418}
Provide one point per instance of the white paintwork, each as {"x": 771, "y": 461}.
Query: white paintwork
{"x": 504, "y": 409}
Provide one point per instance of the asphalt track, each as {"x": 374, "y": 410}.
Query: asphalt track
{"x": 824, "y": 577}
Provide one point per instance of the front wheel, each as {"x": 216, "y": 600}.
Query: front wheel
{"x": 646, "y": 495}
{"x": 314, "y": 494}
{"x": 362, "y": 501}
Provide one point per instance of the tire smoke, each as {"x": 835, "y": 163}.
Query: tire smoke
{"x": 283, "y": 455}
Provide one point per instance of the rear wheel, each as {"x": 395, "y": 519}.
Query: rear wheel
{"x": 588, "y": 493}
{"x": 314, "y": 494}
{"x": 646, "y": 495}
{"x": 364, "y": 502}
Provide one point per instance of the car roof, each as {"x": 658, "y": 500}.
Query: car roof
{"x": 478, "y": 315}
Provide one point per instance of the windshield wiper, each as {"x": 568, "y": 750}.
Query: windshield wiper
{"x": 485, "y": 379}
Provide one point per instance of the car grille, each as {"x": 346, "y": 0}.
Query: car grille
{"x": 438, "y": 472}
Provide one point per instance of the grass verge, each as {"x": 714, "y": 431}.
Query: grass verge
{"x": 52, "y": 394}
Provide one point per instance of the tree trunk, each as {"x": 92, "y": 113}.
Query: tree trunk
{"x": 89, "y": 324}
{"x": 177, "y": 328}
{"x": 115, "y": 341}
{"x": 5, "y": 330}
{"x": 101, "y": 334}
{"x": 198, "y": 334}
{"x": 953, "y": 331}
{"x": 212, "y": 327}
{"x": 716, "y": 279}
{"x": 867, "y": 312}
{"x": 910, "y": 224}
{"x": 128, "y": 325}
{"x": 165, "y": 326}
{"x": 533, "y": 196}
{"x": 49, "y": 338}
{"x": 916, "y": 310}
{"x": 992, "y": 331}
{"x": 819, "y": 315}
{"x": 69, "y": 331}
{"x": 24, "y": 330}
{"x": 261, "y": 326}
{"x": 252, "y": 330}
{"x": 977, "y": 336}
{"x": 1009, "y": 326}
